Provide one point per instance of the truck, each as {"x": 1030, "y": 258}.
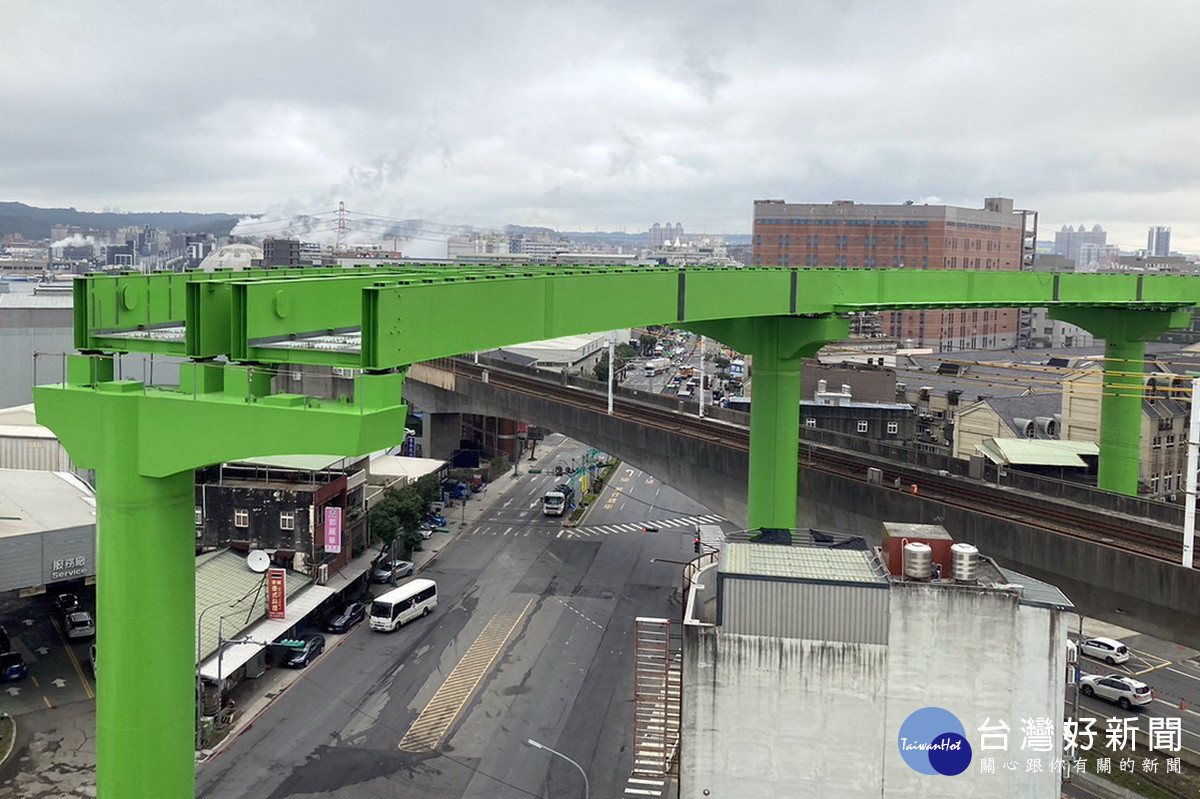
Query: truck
{"x": 557, "y": 500}
{"x": 656, "y": 366}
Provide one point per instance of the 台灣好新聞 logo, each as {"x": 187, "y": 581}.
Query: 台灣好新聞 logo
{"x": 933, "y": 741}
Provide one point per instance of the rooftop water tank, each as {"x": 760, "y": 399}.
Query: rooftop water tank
{"x": 964, "y": 563}
{"x": 918, "y": 561}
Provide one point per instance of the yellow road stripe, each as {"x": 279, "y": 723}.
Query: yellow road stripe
{"x": 87, "y": 686}
{"x": 432, "y": 724}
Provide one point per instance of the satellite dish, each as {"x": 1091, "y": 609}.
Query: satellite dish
{"x": 258, "y": 561}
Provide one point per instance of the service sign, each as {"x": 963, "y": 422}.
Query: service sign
{"x": 333, "y": 529}
{"x": 276, "y": 593}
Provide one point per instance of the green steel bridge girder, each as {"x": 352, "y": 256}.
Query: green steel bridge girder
{"x": 409, "y": 314}
{"x": 144, "y": 444}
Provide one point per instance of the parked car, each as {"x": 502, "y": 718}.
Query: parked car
{"x": 12, "y": 667}
{"x": 1109, "y": 650}
{"x": 387, "y": 570}
{"x": 65, "y": 604}
{"x": 5, "y": 643}
{"x": 301, "y": 656}
{"x": 92, "y": 658}
{"x": 344, "y": 616}
{"x": 1124, "y": 691}
{"x": 79, "y": 625}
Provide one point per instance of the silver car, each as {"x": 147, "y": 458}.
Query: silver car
{"x": 79, "y": 624}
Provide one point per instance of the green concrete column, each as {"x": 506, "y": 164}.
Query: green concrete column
{"x": 774, "y": 437}
{"x": 778, "y": 344}
{"x": 145, "y": 642}
{"x": 1125, "y": 334}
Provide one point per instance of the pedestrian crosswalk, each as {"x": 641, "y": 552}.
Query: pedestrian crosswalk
{"x": 645, "y": 786}
{"x": 657, "y": 524}
{"x": 591, "y": 531}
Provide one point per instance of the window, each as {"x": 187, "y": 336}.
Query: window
{"x": 862, "y": 427}
{"x": 241, "y": 518}
{"x": 287, "y": 520}
{"x": 810, "y": 422}
{"x": 199, "y": 516}
{"x": 893, "y": 428}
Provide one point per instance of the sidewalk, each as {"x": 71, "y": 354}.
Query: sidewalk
{"x": 254, "y": 696}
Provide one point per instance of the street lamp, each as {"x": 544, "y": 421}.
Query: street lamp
{"x": 586, "y": 787}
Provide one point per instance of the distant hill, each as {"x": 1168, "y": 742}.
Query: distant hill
{"x": 35, "y": 223}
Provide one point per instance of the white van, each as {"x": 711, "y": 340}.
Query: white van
{"x": 402, "y": 605}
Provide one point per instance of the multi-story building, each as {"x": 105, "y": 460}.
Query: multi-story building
{"x": 281, "y": 252}
{"x": 1158, "y": 242}
{"x": 848, "y": 234}
{"x": 1069, "y": 242}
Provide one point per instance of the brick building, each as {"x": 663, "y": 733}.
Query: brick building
{"x": 850, "y": 235}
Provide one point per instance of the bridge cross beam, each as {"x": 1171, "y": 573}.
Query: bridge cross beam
{"x": 144, "y": 445}
{"x": 778, "y": 345}
{"x": 1125, "y": 333}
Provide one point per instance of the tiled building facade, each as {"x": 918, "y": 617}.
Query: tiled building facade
{"x": 854, "y": 236}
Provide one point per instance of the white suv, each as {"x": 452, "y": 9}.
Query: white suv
{"x": 1124, "y": 691}
{"x": 1109, "y": 650}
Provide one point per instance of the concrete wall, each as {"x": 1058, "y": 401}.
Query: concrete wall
{"x": 940, "y": 644}
{"x": 777, "y": 717}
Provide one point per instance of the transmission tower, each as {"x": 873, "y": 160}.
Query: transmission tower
{"x": 341, "y": 228}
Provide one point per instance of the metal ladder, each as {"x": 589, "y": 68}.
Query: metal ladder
{"x": 657, "y": 696}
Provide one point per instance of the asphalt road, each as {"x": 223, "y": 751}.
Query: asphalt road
{"x": 562, "y": 677}
{"x": 59, "y": 670}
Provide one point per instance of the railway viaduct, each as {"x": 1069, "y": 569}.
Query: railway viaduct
{"x": 234, "y": 329}
{"x": 1105, "y": 582}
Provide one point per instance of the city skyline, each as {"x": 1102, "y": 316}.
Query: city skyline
{"x": 578, "y": 117}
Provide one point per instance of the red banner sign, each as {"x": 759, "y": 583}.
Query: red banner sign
{"x": 276, "y": 593}
{"x": 333, "y": 529}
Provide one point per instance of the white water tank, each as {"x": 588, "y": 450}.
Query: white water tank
{"x": 918, "y": 561}
{"x": 964, "y": 563}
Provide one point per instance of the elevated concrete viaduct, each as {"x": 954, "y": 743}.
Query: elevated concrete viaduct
{"x": 1105, "y": 582}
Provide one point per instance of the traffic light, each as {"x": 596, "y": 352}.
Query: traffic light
{"x": 696, "y": 544}
{"x": 292, "y": 642}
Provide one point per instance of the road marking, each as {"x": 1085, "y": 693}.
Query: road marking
{"x": 1184, "y": 674}
{"x": 432, "y": 724}
{"x": 1175, "y": 705}
{"x": 87, "y": 686}
{"x": 560, "y": 532}
{"x": 509, "y": 530}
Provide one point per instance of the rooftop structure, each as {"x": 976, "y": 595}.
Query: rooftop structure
{"x": 805, "y": 665}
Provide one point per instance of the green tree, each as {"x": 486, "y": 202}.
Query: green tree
{"x": 396, "y": 517}
{"x": 647, "y": 342}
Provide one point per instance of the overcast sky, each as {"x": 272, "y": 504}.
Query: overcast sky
{"x": 606, "y": 115}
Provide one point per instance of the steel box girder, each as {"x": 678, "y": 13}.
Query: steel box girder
{"x": 412, "y": 313}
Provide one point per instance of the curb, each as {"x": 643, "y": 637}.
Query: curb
{"x": 13, "y": 741}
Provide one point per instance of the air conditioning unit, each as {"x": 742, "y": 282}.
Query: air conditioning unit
{"x": 323, "y": 574}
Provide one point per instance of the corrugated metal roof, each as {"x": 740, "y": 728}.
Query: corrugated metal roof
{"x": 223, "y": 578}
{"x": 800, "y": 563}
{"x": 1037, "y": 593}
{"x": 1038, "y": 452}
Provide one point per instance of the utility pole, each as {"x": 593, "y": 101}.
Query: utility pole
{"x": 1189, "y": 502}
{"x": 612, "y": 346}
